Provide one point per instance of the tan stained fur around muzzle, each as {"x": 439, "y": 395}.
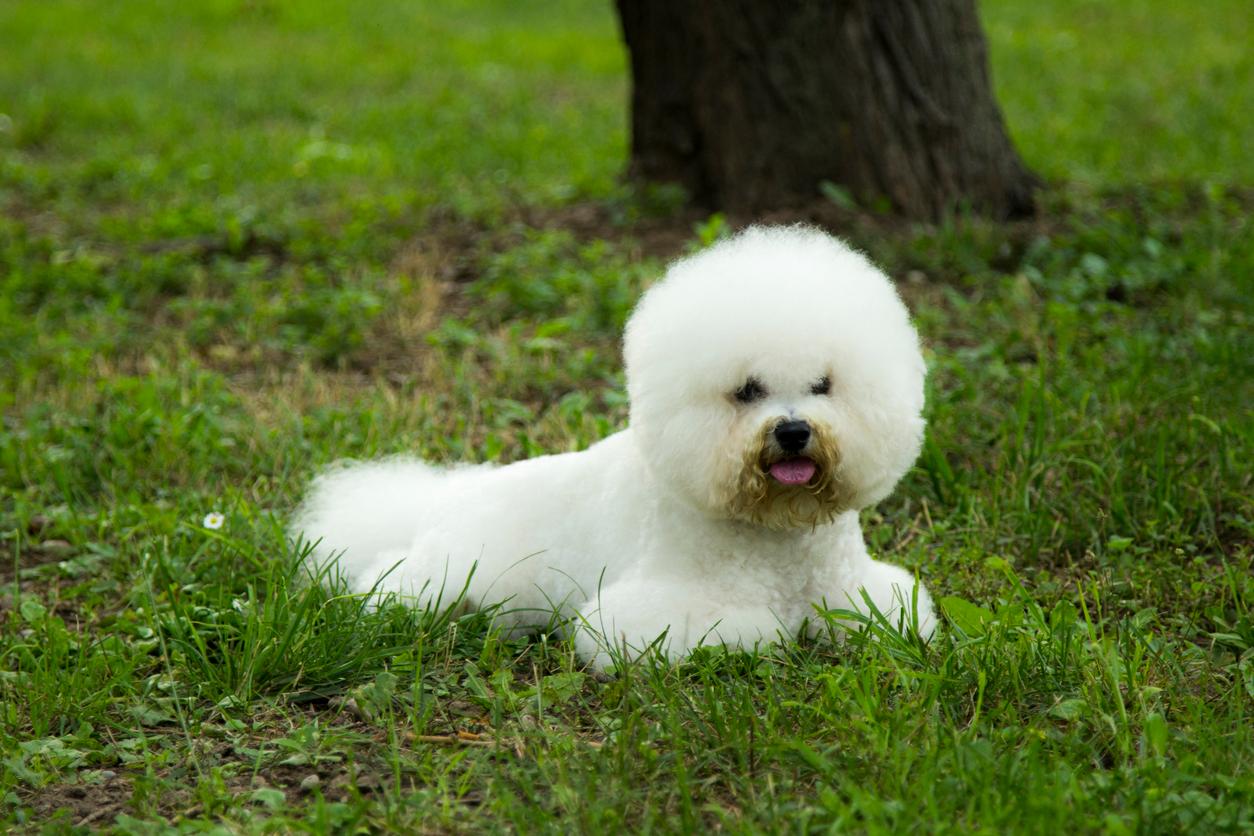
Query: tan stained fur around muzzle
{"x": 757, "y": 498}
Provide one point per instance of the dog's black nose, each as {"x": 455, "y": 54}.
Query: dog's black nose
{"x": 793, "y": 436}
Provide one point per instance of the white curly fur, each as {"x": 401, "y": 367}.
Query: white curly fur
{"x": 675, "y": 526}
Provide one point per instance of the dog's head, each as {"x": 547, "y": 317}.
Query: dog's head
{"x": 775, "y": 378}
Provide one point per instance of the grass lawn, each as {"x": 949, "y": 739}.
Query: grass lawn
{"x": 240, "y": 239}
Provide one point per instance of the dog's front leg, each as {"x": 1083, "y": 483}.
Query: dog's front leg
{"x": 901, "y": 601}
{"x": 674, "y": 616}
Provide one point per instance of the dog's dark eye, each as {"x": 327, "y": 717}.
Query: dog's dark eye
{"x": 750, "y": 392}
{"x": 822, "y": 387}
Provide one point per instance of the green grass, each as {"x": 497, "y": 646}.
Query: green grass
{"x": 1102, "y": 93}
{"x": 243, "y": 239}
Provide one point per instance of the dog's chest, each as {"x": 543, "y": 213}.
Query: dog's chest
{"x": 784, "y": 574}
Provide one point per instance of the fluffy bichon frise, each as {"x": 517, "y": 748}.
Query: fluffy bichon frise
{"x": 776, "y": 386}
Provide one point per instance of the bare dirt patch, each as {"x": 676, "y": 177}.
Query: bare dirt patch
{"x": 31, "y": 556}
{"x": 83, "y": 804}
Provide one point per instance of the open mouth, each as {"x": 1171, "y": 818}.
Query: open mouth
{"x": 796, "y": 471}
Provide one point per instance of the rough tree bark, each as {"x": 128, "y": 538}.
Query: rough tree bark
{"x": 751, "y": 104}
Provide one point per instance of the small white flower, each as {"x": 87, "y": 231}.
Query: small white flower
{"x": 214, "y": 520}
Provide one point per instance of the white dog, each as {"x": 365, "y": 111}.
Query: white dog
{"x": 776, "y": 386}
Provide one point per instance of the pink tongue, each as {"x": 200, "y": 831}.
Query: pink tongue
{"x": 793, "y": 471}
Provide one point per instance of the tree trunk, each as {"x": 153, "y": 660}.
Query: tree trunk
{"x": 751, "y": 105}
